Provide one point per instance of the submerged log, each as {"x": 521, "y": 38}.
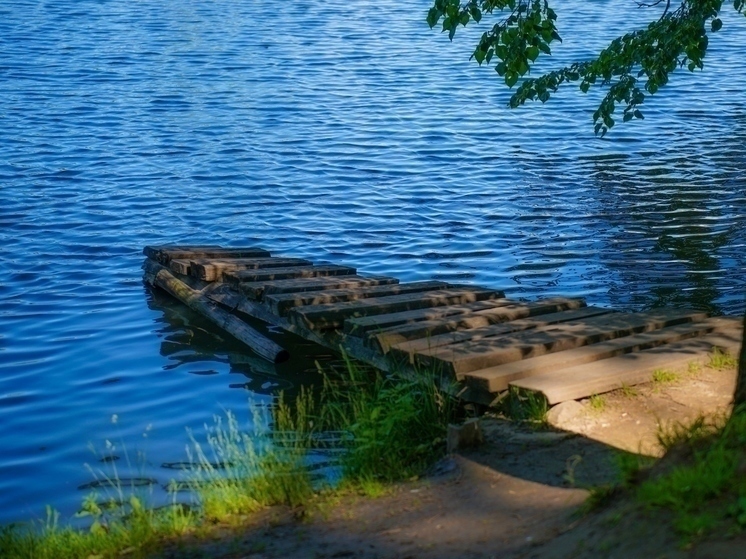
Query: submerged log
{"x": 160, "y": 276}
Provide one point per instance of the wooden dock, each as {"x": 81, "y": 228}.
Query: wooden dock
{"x": 559, "y": 347}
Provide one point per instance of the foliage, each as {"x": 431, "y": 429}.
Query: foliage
{"x": 720, "y": 359}
{"x": 393, "y": 426}
{"x": 706, "y": 489}
{"x": 245, "y": 471}
{"x": 136, "y": 535}
{"x": 630, "y": 68}
{"x": 397, "y": 421}
{"x": 664, "y": 376}
{"x": 524, "y": 405}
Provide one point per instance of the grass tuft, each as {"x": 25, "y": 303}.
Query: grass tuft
{"x": 397, "y": 422}
{"x": 524, "y": 405}
{"x": 664, "y": 376}
{"x": 597, "y": 402}
{"x": 628, "y": 391}
{"x": 722, "y": 360}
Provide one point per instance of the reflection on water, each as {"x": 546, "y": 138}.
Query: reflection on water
{"x": 192, "y": 344}
{"x": 367, "y": 141}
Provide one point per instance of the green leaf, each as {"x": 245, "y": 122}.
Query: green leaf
{"x": 479, "y": 56}
{"x": 532, "y": 53}
{"x": 627, "y": 117}
{"x": 584, "y": 86}
{"x": 639, "y": 115}
{"x": 501, "y": 68}
{"x": 716, "y": 24}
{"x": 432, "y": 17}
{"x": 511, "y": 78}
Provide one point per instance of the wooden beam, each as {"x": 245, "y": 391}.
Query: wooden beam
{"x": 212, "y": 269}
{"x": 411, "y": 327}
{"x": 288, "y": 273}
{"x": 198, "y": 301}
{"x": 282, "y": 303}
{"x": 471, "y": 356}
{"x": 496, "y": 379}
{"x": 367, "y": 325}
{"x": 258, "y": 289}
{"x": 164, "y": 254}
{"x": 332, "y": 316}
{"x": 477, "y": 334}
{"x": 630, "y": 369}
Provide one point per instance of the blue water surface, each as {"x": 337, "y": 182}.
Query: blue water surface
{"x": 342, "y": 131}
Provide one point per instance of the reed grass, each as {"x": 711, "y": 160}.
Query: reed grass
{"x": 388, "y": 427}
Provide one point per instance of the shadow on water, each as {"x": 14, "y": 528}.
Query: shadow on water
{"x": 187, "y": 338}
{"x": 678, "y": 226}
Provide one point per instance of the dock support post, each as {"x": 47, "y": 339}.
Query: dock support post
{"x": 160, "y": 276}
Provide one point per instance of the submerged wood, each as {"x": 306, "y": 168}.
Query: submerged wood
{"x": 198, "y": 301}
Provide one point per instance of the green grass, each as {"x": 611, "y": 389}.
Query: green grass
{"x": 705, "y": 489}
{"x": 722, "y": 360}
{"x": 397, "y": 422}
{"x": 628, "y": 391}
{"x": 392, "y": 426}
{"x": 597, "y": 402}
{"x": 524, "y": 405}
{"x": 694, "y": 368}
{"x": 664, "y": 376}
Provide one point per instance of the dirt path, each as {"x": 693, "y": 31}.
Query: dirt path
{"x": 517, "y": 496}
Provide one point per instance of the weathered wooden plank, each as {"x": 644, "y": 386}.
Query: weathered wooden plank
{"x": 362, "y": 326}
{"x": 282, "y": 303}
{"x": 413, "y": 346}
{"x": 180, "y": 266}
{"x": 495, "y": 379}
{"x": 210, "y": 269}
{"x": 386, "y": 331}
{"x": 158, "y": 252}
{"x": 287, "y": 273}
{"x": 471, "y": 356}
{"x": 332, "y": 316}
{"x": 256, "y": 290}
{"x": 161, "y": 276}
{"x": 629, "y": 369}
{"x": 164, "y": 254}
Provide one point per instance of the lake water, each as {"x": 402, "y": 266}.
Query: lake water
{"x": 342, "y": 131}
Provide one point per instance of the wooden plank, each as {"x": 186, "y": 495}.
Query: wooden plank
{"x": 288, "y": 273}
{"x": 256, "y": 290}
{"x": 361, "y": 327}
{"x": 180, "y": 266}
{"x": 475, "y": 334}
{"x": 282, "y": 303}
{"x": 213, "y": 269}
{"x": 159, "y": 252}
{"x": 471, "y": 356}
{"x": 495, "y": 379}
{"x": 630, "y": 369}
{"x": 385, "y": 332}
{"x": 164, "y": 254}
{"x": 332, "y": 316}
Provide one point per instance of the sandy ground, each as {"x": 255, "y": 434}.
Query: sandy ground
{"x": 517, "y": 496}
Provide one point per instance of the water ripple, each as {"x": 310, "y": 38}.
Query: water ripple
{"x": 330, "y": 131}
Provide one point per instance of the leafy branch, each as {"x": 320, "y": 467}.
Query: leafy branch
{"x": 632, "y": 67}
